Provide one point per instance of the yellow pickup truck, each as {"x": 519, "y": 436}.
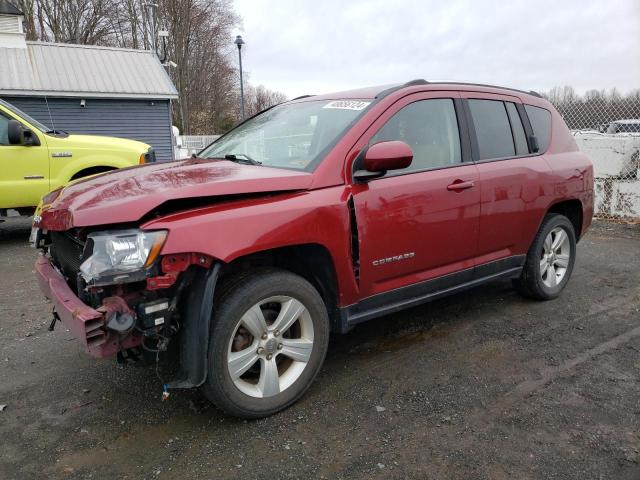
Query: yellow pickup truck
{"x": 35, "y": 159}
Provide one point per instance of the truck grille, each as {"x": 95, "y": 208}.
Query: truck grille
{"x": 66, "y": 251}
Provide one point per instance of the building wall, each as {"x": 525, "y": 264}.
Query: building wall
{"x": 148, "y": 121}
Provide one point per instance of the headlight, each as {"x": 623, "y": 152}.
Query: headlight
{"x": 148, "y": 157}
{"x": 122, "y": 252}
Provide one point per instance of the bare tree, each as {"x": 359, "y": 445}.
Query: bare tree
{"x": 200, "y": 44}
{"x": 595, "y": 108}
{"x": 75, "y": 21}
{"x": 258, "y": 98}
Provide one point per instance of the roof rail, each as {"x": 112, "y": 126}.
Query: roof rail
{"x": 530, "y": 92}
{"x": 301, "y": 96}
{"x": 411, "y": 83}
{"x": 417, "y": 81}
{"x": 421, "y": 81}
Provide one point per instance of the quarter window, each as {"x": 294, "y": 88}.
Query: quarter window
{"x": 430, "y": 128}
{"x": 493, "y": 130}
{"x": 541, "y": 124}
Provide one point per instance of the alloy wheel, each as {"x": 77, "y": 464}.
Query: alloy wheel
{"x": 556, "y": 253}
{"x": 270, "y": 346}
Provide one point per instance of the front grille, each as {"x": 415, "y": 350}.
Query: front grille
{"x": 66, "y": 251}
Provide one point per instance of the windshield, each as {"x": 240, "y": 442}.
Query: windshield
{"x": 295, "y": 135}
{"x": 19, "y": 113}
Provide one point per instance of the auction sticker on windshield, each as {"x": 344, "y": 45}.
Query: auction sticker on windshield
{"x": 347, "y": 104}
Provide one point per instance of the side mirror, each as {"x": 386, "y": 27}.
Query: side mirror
{"x": 18, "y": 135}
{"x": 383, "y": 156}
{"x": 14, "y": 132}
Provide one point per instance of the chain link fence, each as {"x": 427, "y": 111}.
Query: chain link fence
{"x": 606, "y": 126}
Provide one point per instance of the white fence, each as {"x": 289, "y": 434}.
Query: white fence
{"x": 616, "y": 165}
{"x": 187, "y": 145}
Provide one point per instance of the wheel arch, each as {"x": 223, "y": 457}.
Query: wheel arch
{"x": 312, "y": 261}
{"x": 573, "y": 210}
{"x": 94, "y": 170}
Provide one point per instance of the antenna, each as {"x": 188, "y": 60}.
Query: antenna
{"x": 53, "y": 127}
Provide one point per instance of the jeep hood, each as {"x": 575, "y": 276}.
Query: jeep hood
{"x": 128, "y": 194}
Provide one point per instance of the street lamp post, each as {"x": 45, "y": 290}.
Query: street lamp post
{"x": 239, "y": 42}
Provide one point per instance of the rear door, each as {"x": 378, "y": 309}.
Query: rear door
{"x": 513, "y": 180}
{"x": 416, "y": 224}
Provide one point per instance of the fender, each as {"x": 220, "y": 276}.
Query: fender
{"x": 65, "y": 174}
{"x": 233, "y": 229}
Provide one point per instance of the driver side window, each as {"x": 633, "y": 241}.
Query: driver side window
{"x": 430, "y": 128}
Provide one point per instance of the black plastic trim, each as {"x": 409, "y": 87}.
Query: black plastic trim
{"x": 410, "y": 83}
{"x": 530, "y": 92}
{"x": 416, "y": 294}
{"x": 194, "y": 345}
{"x": 473, "y": 137}
{"x": 300, "y": 97}
{"x": 463, "y": 130}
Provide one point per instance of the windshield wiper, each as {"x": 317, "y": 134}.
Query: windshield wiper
{"x": 241, "y": 158}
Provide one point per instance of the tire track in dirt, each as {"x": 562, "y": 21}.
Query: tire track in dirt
{"x": 549, "y": 374}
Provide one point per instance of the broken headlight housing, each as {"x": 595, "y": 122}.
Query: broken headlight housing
{"x": 118, "y": 254}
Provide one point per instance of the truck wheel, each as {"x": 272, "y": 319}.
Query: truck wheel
{"x": 550, "y": 259}
{"x": 269, "y": 338}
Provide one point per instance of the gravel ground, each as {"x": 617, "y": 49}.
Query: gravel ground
{"x": 483, "y": 385}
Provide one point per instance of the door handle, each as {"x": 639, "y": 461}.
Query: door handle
{"x": 458, "y": 185}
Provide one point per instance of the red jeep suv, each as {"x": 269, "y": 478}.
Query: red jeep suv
{"x": 311, "y": 217}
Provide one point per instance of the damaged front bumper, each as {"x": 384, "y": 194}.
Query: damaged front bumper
{"x": 86, "y": 324}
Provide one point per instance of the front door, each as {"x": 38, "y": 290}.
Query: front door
{"x": 24, "y": 171}
{"x": 419, "y": 223}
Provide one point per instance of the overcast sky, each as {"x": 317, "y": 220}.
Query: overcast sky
{"x": 305, "y": 46}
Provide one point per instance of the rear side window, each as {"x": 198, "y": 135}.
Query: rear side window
{"x": 493, "y": 129}
{"x": 541, "y": 124}
{"x": 519, "y": 137}
{"x": 430, "y": 128}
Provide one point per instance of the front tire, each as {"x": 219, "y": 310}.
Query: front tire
{"x": 550, "y": 259}
{"x": 269, "y": 338}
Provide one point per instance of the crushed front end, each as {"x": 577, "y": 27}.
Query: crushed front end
{"x": 113, "y": 290}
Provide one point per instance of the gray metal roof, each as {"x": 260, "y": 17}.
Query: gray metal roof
{"x": 59, "y": 69}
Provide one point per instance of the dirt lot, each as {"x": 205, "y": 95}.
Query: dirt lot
{"x": 481, "y": 385}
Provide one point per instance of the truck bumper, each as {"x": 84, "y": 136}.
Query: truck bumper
{"x": 84, "y": 323}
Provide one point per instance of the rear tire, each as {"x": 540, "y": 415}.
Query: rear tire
{"x": 269, "y": 337}
{"x": 550, "y": 259}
